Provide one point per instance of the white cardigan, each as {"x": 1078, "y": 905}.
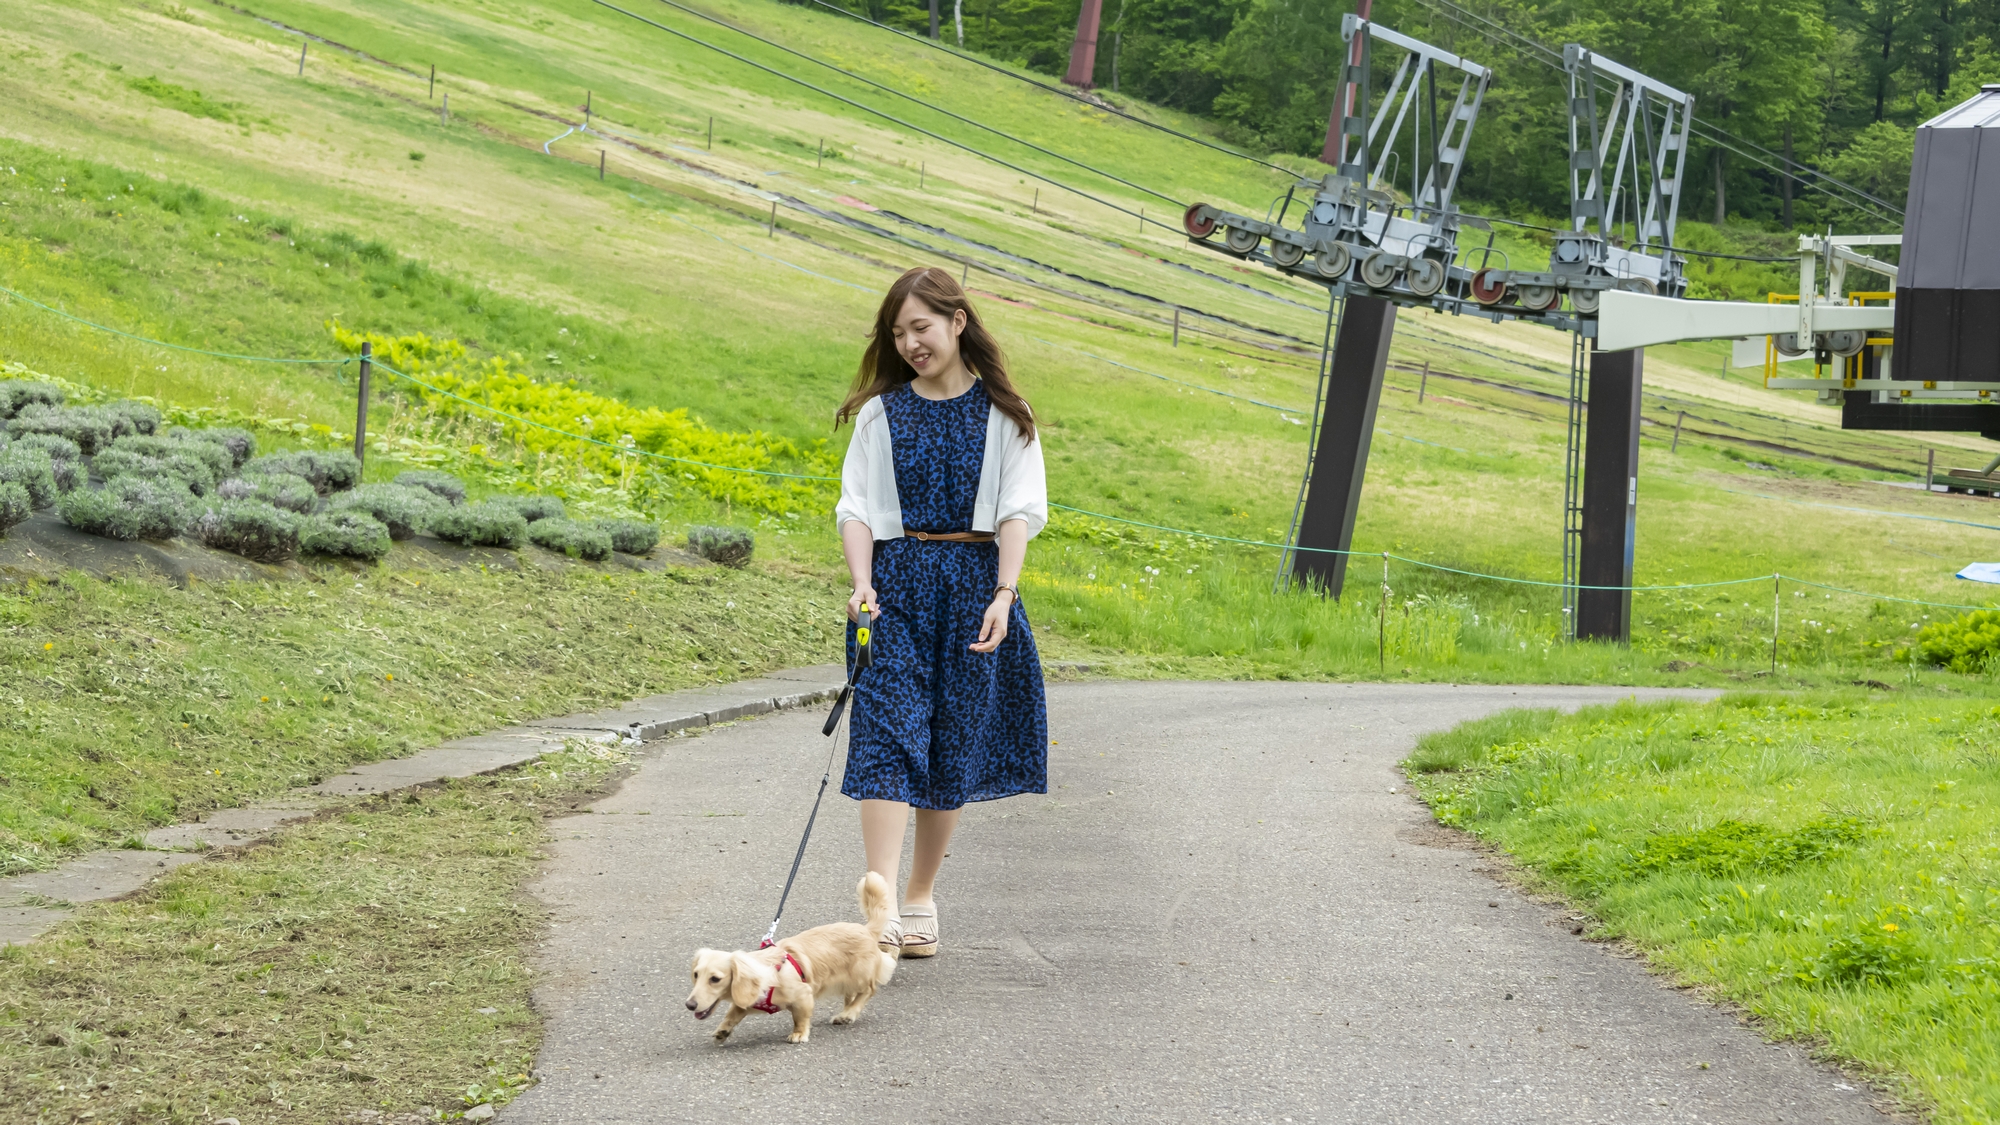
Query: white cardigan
{"x": 1011, "y": 484}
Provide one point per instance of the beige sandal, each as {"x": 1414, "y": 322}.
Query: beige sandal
{"x": 891, "y": 941}
{"x": 920, "y": 937}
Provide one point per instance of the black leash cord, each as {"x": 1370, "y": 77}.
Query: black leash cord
{"x": 863, "y": 656}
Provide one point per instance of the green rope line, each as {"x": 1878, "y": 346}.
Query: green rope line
{"x": 1403, "y": 559}
{"x": 163, "y": 343}
{"x": 437, "y": 390}
{"x": 1881, "y": 597}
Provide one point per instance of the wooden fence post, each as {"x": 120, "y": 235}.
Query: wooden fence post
{"x": 361, "y": 402}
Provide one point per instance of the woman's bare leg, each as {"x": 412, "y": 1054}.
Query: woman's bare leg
{"x": 934, "y": 828}
{"x": 882, "y": 824}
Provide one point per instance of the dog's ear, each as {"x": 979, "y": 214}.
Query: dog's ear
{"x": 749, "y": 981}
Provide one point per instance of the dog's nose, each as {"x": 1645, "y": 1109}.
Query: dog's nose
{"x": 690, "y": 1003}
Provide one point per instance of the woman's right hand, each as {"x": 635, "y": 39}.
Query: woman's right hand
{"x": 864, "y": 595}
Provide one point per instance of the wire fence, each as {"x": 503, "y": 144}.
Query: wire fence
{"x": 1387, "y": 556}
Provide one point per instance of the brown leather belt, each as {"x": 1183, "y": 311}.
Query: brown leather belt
{"x": 952, "y": 536}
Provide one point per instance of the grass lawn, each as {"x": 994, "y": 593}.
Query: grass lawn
{"x": 1829, "y": 861}
{"x": 134, "y": 704}
{"x": 372, "y": 960}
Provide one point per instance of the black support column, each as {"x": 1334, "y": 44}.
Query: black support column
{"x": 1347, "y": 422}
{"x": 1610, "y": 495}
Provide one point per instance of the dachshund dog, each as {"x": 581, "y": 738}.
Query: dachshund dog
{"x": 789, "y": 976}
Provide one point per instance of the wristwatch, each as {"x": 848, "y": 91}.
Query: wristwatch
{"x": 1014, "y": 590}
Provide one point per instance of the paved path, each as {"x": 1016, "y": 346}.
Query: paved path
{"x": 1229, "y": 908}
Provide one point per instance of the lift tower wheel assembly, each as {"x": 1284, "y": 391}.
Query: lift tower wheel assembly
{"x": 1378, "y": 253}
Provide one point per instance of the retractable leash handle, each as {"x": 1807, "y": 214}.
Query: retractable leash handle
{"x": 863, "y": 657}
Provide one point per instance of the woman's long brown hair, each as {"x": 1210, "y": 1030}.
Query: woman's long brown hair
{"x": 883, "y": 368}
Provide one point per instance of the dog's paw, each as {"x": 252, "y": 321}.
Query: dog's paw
{"x": 722, "y": 1036}
{"x": 841, "y": 1019}
{"x": 797, "y": 1036}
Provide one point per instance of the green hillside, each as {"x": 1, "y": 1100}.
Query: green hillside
{"x": 173, "y": 174}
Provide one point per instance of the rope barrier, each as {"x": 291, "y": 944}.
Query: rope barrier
{"x": 927, "y": 105}
{"x": 1863, "y": 511}
{"x": 1385, "y": 555}
{"x": 676, "y": 32}
{"x": 163, "y": 343}
{"x": 773, "y": 258}
{"x": 1170, "y": 379}
{"x": 1097, "y": 104}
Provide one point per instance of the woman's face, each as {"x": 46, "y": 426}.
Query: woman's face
{"x": 926, "y": 340}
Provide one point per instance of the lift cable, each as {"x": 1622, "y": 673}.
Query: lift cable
{"x": 1057, "y": 90}
{"x": 888, "y": 117}
{"x": 919, "y": 101}
{"x": 1712, "y": 132}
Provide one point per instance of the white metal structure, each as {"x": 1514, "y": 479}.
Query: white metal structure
{"x": 1649, "y": 120}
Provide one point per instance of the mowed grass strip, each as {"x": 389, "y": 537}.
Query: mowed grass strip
{"x": 132, "y": 704}
{"x": 1830, "y": 862}
{"x": 370, "y": 960}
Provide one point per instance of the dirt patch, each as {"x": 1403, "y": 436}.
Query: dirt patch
{"x": 1430, "y": 834}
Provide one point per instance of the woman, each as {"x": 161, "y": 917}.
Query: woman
{"x": 941, "y": 491}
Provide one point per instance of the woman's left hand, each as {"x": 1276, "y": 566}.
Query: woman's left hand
{"x": 993, "y": 629}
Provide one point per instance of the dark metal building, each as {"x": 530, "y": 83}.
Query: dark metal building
{"x": 1948, "y": 288}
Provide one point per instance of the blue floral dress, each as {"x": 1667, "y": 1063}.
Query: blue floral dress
{"x": 936, "y": 724}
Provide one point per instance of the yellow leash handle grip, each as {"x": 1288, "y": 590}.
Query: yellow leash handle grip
{"x": 863, "y": 651}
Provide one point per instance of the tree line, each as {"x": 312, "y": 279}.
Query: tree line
{"x": 1839, "y": 85}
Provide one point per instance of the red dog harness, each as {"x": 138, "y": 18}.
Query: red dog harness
{"x": 769, "y": 1005}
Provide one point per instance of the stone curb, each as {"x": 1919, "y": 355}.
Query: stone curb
{"x": 25, "y": 900}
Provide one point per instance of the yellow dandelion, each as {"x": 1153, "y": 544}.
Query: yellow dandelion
{"x": 48, "y": 646}
{"x": 263, "y": 699}
{"x": 1889, "y": 926}
{"x": 389, "y": 675}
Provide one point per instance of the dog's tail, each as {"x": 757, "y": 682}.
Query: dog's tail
{"x": 876, "y": 904}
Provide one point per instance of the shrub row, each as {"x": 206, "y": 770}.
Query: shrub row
{"x": 631, "y": 537}
{"x": 444, "y": 486}
{"x": 190, "y": 471}
{"x": 16, "y": 395}
{"x": 534, "y": 506}
{"x": 177, "y": 443}
{"x": 572, "y": 538}
{"x": 252, "y": 529}
{"x": 356, "y": 535}
{"x": 31, "y": 469}
{"x": 404, "y": 511}
{"x": 132, "y": 508}
{"x": 485, "y": 524}
{"x": 730, "y": 546}
{"x": 241, "y": 445}
{"x": 327, "y": 472}
{"x": 91, "y": 427}
{"x": 14, "y": 505}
